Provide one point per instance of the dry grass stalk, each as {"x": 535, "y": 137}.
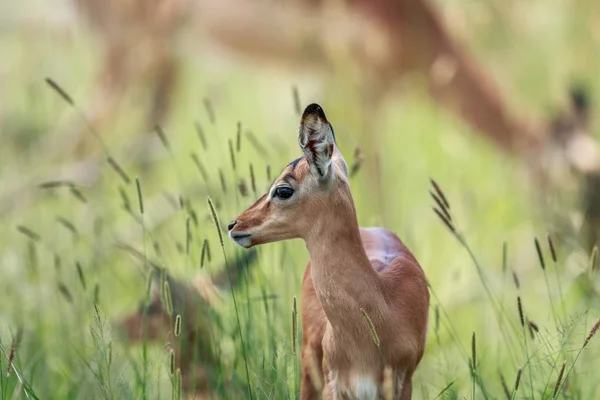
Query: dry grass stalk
{"x": 521, "y": 315}
{"x": 441, "y": 206}
{"x": 215, "y": 219}
{"x": 162, "y": 136}
{"x": 13, "y": 351}
{"x": 474, "y": 352}
{"x": 252, "y": 180}
{"x": 77, "y": 194}
{"x": 96, "y": 293}
{"x": 559, "y": 380}
{"x": 238, "y": 139}
{"x": 294, "y": 325}
{"x": 296, "y": 96}
{"x": 68, "y": 225}
{"x": 29, "y": 233}
{"x": 445, "y": 221}
{"x": 65, "y": 292}
{"x": 168, "y": 298}
{"x": 171, "y": 362}
{"x": 231, "y": 154}
{"x": 209, "y": 110}
{"x": 540, "y": 255}
{"x": 371, "y": 327}
{"x": 80, "y": 274}
{"x": 205, "y": 254}
{"x": 516, "y": 280}
{"x": 518, "y": 379}
{"x": 504, "y": 386}
{"x": 222, "y": 179}
{"x": 60, "y": 91}
{"x": 177, "y": 328}
{"x": 552, "y": 248}
{"x": 440, "y": 193}
{"x": 140, "y": 197}
{"x": 120, "y": 171}
{"x": 201, "y": 136}
{"x": 533, "y": 328}
{"x": 243, "y": 188}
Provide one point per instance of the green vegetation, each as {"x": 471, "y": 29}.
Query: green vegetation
{"x": 525, "y": 310}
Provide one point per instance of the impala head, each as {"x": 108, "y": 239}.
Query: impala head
{"x": 306, "y": 189}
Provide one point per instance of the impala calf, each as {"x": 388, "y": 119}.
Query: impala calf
{"x": 350, "y": 269}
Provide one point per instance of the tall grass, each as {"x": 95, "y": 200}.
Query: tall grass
{"x": 64, "y": 283}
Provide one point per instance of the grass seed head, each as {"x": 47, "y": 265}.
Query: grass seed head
{"x": 231, "y": 154}
{"x": 223, "y": 183}
{"x": 215, "y": 219}
{"x": 540, "y": 255}
{"x": 516, "y": 280}
{"x": 200, "y": 133}
{"x": 119, "y": 170}
{"x": 559, "y": 380}
{"x": 294, "y": 325}
{"x": 474, "y": 351}
{"x": 552, "y": 248}
{"x": 518, "y": 379}
{"x": 238, "y": 140}
{"x": 440, "y": 193}
{"x": 371, "y": 327}
{"x": 171, "y": 362}
{"x": 167, "y": 298}
{"x": 521, "y": 315}
{"x": 140, "y": 197}
{"x": 592, "y": 333}
{"x": 177, "y": 328}
{"x": 252, "y": 180}
{"x": 296, "y": 96}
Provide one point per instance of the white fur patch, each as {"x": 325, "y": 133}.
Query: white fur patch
{"x": 364, "y": 389}
{"x": 243, "y": 241}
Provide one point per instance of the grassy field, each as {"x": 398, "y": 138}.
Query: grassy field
{"x": 58, "y": 257}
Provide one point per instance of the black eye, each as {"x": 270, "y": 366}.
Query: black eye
{"x": 284, "y": 192}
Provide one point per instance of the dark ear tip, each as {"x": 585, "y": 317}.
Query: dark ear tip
{"x": 314, "y": 109}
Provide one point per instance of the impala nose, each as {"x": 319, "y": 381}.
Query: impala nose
{"x": 231, "y": 225}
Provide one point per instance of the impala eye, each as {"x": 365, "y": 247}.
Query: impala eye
{"x": 283, "y": 192}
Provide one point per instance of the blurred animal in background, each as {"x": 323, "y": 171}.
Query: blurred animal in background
{"x": 138, "y": 42}
{"x": 571, "y": 162}
{"x": 196, "y": 350}
{"x": 389, "y": 40}
{"x": 386, "y": 40}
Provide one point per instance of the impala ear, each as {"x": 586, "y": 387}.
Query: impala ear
{"x": 316, "y": 140}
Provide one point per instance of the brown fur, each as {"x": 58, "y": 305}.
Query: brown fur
{"x": 195, "y": 349}
{"x": 350, "y": 268}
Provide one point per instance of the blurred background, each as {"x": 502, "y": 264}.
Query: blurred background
{"x": 119, "y": 117}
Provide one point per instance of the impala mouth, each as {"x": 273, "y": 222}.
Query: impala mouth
{"x": 241, "y": 239}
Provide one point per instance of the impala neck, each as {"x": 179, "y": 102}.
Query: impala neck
{"x": 342, "y": 274}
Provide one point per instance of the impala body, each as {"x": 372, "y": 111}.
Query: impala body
{"x": 351, "y": 270}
